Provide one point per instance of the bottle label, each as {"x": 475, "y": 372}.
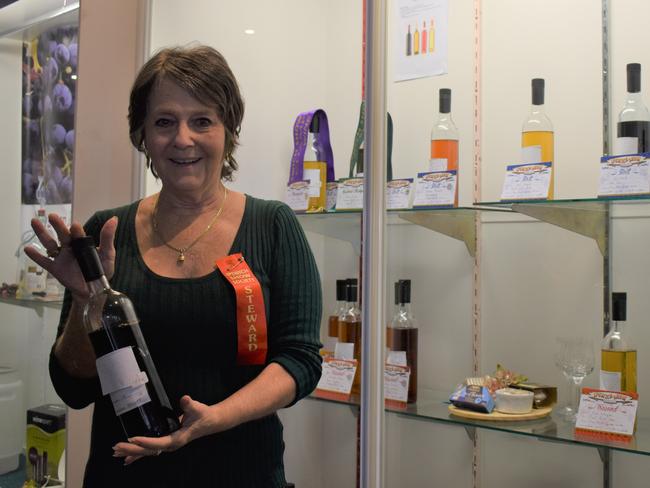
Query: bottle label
{"x": 610, "y": 380}
{"x": 121, "y": 378}
{"x": 252, "y": 341}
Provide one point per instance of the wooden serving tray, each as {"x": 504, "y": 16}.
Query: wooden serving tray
{"x": 536, "y": 413}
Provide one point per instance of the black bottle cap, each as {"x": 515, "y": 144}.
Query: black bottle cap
{"x": 445, "y": 100}
{"x": 538, "y": 91}
{"x": 619, "y": 306}
{"x": 633, "y": 78}
{"x": 314, "y": 126}
{"x": 340, "y": 290}
{"x": 351, "y": 289}
{"x": 85, "y": 251}
{"x": 405, "y": 291}
{"x": 397, "y": 292}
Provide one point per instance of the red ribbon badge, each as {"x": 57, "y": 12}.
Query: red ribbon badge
{"x": 251, "y": 317}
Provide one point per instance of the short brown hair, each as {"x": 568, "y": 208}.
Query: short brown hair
{"x": 204, "y": 73}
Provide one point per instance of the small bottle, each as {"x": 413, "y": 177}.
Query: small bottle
{"x": 409, "y": 41}
{"x": 432, "y": 37}
{"x": 333, "y": 320}
{"x": 359, "y": 171}
{"x": 350, "y": 328}
{"x": 424, "y": 37}
{"x": 416, "y": 40}
{"x": 315, "y": 170}
{"x": 634, "y": 119}
{"x": 402, "y": 334}
{"x": 444, "y": 136}
{"x": 537, "y": 132}
{"x": 618, "y": 356}
{"x": 124, "y": 365}
{"x": 32, "y": 279}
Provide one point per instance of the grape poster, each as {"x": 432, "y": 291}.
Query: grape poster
{"x": 48, "y": 81}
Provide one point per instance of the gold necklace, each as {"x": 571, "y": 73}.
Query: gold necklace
{"x": 182, "y": 250}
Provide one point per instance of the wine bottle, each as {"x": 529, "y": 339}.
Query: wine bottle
{"x": 315, "y": 171}
{"x": 416, "y": 40}
{"x": 409, "y": 41}
{"x": 537, "y": 132}
{"x": 424, "y": 37}
{"x": 32, "y": 279}
{"x": 350, "y": 328}
{"x": 444, "y": 135}
{"x": 432, "y": 37}
{"x": 333, "y": 320}
{"x": 402, "y": 334}
{"x": 125, "y": 368}
{"x": 618, "y": 356}
{"x": 634, "y": 119}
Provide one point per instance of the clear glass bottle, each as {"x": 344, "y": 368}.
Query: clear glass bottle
{"x": 124, "y": 364}
{"x": 634, "y": 118}
{"x": 333, "y": 320}
{"x": 32, "y": 279}
{"x": 402, "y": 334}
{"x": 537, "y": 132}
{"x": 350, "y": 328}
{"x": 618, "y": 355}
{"x": 444, "y": 136}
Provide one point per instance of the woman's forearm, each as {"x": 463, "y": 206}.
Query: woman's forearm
{"x": 73, "y": 348}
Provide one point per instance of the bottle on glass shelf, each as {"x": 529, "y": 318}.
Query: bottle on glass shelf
{"x": 416, "y": 40}
{"x": 402, "y": 334}
{"x": 32, "y": 279}
{"x": 124, "y": 365}
{"x": 432, "y": 37}
{"x": 315, "y": 170}
{"x": 424, "y": 37}
{"x": 409, "y": 41}
{"x": 444, "y": 136}
{"x": 350, "y": 328}
{"x": 634, "y": 119}
{"x": 333, "y": 320}
{"x": 618, "y": 355}
{"x": 537, "y": 133}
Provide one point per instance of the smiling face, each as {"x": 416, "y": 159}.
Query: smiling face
{"x": 185, "y": 140}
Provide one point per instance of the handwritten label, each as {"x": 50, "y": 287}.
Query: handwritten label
{"x": 398, "y": 194}
{"x": 297, "y": 195}
{"x": 607, "y": 412}
{"x": 436, "y": 188}
{"x": 350, "y": 194}
{"x": 337, "y": 376}
{"x": 624, "y": 175}
{"x": 527, "y": 181}
{"x": 396, "y": 383}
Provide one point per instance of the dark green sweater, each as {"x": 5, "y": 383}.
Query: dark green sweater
{"x": 190, "y": 328}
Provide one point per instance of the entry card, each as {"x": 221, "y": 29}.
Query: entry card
{"x": 350, "y": 194}
{"x": 624, "y": 175}
{"x": 337, "y": 377}
{"x": 527, "y": 181}
{"x": 396, "y": 384}
{"x": 331, "y": 189}
{"x": 398, "y": 194}
{"x": 607, "y": 412}
{"x": 435, "y": 189}
{"x": 297, "y": 196}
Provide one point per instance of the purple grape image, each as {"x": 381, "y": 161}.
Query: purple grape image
{"x": 49, "y": 90}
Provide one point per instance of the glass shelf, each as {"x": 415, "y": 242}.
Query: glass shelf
{"x": 433, "y": 406}
{"x": 33, "y": 302}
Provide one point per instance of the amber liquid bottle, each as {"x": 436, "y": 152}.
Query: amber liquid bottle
{"x": 333, "y": 320}
{"x": 618, "y": 356}
{"x": 402, "y": 334}
{"x": 350, "y": 328}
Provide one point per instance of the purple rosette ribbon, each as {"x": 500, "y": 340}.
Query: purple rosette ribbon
{"x": 321, "y": 144}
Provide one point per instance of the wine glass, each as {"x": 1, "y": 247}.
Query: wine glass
{"x": 575, "y": 358}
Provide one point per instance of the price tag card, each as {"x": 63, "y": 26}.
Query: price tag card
{"x": 435, "y": 189}
{"x": 331, "y": 189}
{"x": 336, "y": 379}
{"x": 624, "y": 175}
{"x": 527, "y": 181}
{"x": 350, "y": 194}
{"x": 297, "y": 196}
{"x": 396, "y": 384}
{"x": 398, "y": 194}
{"x": 437, "y": 164}
{"x": 607, "y": 412}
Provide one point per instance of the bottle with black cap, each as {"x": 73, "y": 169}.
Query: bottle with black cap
{"x": 618, "y": 354}
{"x": 333, "y": 320}
{"x": 315, "y": 170}
{"x": 444, "y": 136}
{"x": 537, "y": 132}
{"x": 350, "y": 328}
{"x": 124, "y": 365}
{"x": 634, "y": 119}
{"x": 402, "y": 334}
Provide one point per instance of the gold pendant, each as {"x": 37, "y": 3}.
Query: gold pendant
{"x": 181, "y": 258}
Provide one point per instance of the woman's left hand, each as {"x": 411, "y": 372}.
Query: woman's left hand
{"x": 195, "y": 423}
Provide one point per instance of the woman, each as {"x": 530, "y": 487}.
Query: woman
{"x": 185, "y": 114}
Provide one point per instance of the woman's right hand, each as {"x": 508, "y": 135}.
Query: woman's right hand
{"x": 60, "y": 261}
